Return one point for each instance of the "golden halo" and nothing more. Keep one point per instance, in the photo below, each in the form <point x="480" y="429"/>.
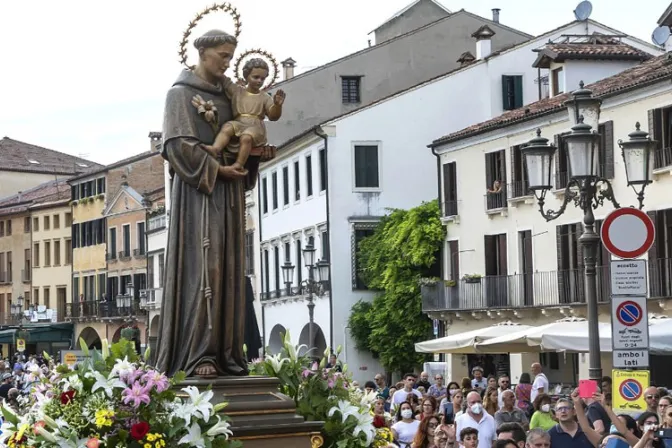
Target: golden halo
<point x="226" y="7"/>
<point x="237" y="67"/>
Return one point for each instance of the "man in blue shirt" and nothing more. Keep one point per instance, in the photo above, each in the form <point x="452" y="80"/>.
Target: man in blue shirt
<point x="567" y="433"/>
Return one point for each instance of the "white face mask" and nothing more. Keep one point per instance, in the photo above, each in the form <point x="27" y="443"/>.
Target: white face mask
<point x="406" y="413"/>
<point x="477" y="408"/>
<point x="546" y="408"/>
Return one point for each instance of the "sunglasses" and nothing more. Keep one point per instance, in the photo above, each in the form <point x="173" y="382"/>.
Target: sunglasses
<point x="652" y="397"/>
<point x="563" y="409"/>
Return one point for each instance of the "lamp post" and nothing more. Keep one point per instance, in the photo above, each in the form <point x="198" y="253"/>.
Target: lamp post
<point x="586" y="189"/>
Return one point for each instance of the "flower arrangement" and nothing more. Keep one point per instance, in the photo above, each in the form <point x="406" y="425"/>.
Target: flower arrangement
<point x="113" y="399"/>
<point x="323" y="394"/>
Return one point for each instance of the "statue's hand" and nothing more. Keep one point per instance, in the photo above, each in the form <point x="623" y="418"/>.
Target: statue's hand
<point x="279" y="97"/>
<point x="268" y="153"/>
<point x="230" y="173"/>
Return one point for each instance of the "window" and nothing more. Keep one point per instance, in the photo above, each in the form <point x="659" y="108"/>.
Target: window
<point x="249" y="253"/>
<point x="36" y="255"/>
<point x="299" y="263"/>
<point x="264" y="195"/>
<point x="68" y="252"/>
<point x="150" y="272"/>
<point x="2" y="228"/>
<point x="606" y="168"/>
<point x="323" y="169"/>
<point x="267" y="275"/>
<point x="309" y="176"/>
<point x="47" y="225"/>
<point x="450" y="189"/>
<point x="126" y="229"/>
<point x="276" y="262"/>
<point x="57" y="221"/>
<point x="75" y="289"/>
<point x="3" y="271"/>
<point x="100" y="185"/>
<point x="36" y="297"/>
<point x="142" y="241"/>
<point x="26" y="224"/>
<point x="68" y="219"/>
<point x="161" y="267"/>
<point x="325" y="245"/>
<point x="660" y="130"/>
<point x="9" y="227"/>
<point x="519" y="182"/>
<point x="9" y="266"/>
<point x="495" y="180"/>
<point x="26" y="265"/>
<point x="297" y="181"/>
<point x="274" y="187"/>
<point x="366" y="166"/>
<point x="512" y="92"/>
<point x="57" y="253"/>
<point x="558" y="79"/>
<point x="112" y="244"/>
<point x="102" y="285"/>
<point x="360" y="232"/>
<point x="47" y="253"/>
<point x="285" y="185"/>
<point x="350" y="89"/>
<point x="36" y="224"/>
<point x="45" y="297"/>
<point x="561" y="166"/>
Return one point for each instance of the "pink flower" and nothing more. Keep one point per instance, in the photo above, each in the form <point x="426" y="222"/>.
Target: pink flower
<point x="155" y="379"/>
<point x="137" y="394"/>
<point x="131" y="377"/>
<point x="315" y="367"/>
<point x="93" y="443"/>
<point x="331" y="384"/>
<point x="306" y="373"/>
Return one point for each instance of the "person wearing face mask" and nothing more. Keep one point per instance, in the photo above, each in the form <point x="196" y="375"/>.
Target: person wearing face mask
<point x="406" y="427"/>
<point x="476" y="418"/>
<point x="453" y="388"/>
<point x="542" y="417"/>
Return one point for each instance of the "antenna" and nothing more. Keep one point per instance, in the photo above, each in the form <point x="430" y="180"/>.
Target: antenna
<point x="583" y="10"/>
<point x="660" y="35"/>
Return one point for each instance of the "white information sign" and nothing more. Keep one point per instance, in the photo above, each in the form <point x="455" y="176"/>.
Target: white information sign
<point x="631" y="359"/>
<point x="629" y="323"/>
<point x="628" y="278"/>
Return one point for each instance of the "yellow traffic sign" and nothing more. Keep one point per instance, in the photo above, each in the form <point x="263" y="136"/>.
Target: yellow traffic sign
<point x="21" y="345"/>
<point x="628" y="392"/>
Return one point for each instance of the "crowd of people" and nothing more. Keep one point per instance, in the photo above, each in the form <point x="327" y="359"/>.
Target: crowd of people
<point x="482" y="412"/>
<point x="16" y="377"/>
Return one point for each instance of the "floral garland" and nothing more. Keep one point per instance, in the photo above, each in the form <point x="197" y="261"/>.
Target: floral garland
<point x="113" y="399"/>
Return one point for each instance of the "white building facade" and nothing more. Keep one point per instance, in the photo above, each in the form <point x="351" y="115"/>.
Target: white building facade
<point x="332" y="184"/>
<point x="528" y="270"/>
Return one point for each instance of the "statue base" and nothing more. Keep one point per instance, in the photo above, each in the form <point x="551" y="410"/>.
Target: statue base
<point x="261" y="417"/>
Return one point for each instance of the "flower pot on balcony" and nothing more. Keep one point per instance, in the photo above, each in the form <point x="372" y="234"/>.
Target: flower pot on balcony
<point x="472" y="279"/>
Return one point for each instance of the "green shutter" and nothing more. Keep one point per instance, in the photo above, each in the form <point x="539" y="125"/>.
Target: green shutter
<point x="518" y="91"/>
<point x="505" y="93"/>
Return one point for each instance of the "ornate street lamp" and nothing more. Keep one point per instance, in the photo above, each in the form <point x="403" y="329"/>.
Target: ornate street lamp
<point x="584" y="103"/>
<point x="288" y="275"/>
<point x="538" y="155"/>
<point x="583" y="151"/>
<point x="309" y="254"/>
<point x="311" y="286"/>
<point x="637" y="154"/>
<point x="323" y="271"/>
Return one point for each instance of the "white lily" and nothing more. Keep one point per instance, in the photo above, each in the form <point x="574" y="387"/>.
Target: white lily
<point x="194" y="437"/>
<point x="105" y="349"/>
<point x="276" y="362"/>
<point x="221" y="427"/>
<point x="368" y="398"/>
<point x="345" y="408"/>
<point x="365" y="425"/>
<point x="46" y="434"/>
<point x="123" y="368"/>
<point x="183" y="411"/>
<point x="72" y="383"/>
<point x="200" y="401"/>
<point x="107" y="384"/>
<point x="293" y="351"/>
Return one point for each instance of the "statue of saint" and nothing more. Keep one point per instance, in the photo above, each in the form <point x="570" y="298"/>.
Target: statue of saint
<point x="203" y="314"/>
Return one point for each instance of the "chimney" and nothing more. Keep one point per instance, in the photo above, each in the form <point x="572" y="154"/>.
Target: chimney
<point x="155" y="142"/>
<point x="466" y="58"/>
<point x="495" y="15"/>
<point x="483" y="37"/>
<point x="288" y="68"/>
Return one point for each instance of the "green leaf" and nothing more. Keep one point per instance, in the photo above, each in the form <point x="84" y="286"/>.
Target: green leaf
<point x="10" y="416"/>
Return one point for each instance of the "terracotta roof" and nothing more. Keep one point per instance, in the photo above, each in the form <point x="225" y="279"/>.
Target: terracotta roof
<point x="52" y="191"/>
<point x="649" y="72"/>
<point x="123" y="162"/>
<point x="613" y="50"/>
<point x="27" y="158"/>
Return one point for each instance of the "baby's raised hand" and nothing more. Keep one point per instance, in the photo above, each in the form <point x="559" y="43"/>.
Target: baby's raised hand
<point x="279" y="97"/>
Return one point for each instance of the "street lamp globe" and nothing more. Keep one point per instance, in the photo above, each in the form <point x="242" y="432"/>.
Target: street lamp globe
<point x="323" y="271"/>
<point x="309" y="255"/>
<point x="583" y="151"/>
<point x="637" y="154"/>
<point x="287" y="272"/>
<point x="584" y="103"/>
<point x="538" y="156"/>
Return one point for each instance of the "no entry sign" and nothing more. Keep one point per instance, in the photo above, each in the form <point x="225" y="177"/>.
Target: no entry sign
<point x="628" y="233"/>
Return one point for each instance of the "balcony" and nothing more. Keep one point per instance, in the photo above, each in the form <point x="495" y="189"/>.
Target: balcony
<point x="110" y="256"/>
<point x="121" y="308"/>
<point x="495" y="202"/>
<point x="662" y="158"/>
<point x="124" y="255"/>
<point x="534" y="290"/>
<point x="449" y="209"/>
<point x="156" y="223"/>
<point x="150" y="299"/>
<point x="26" y="275"/>
<point x="519" y="190"/>
<point x="138" y="253"/>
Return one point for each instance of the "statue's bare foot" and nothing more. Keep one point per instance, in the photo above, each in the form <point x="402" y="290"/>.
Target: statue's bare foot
<point x="206" y="370"/>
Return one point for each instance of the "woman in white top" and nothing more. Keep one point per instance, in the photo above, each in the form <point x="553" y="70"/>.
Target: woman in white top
<point x="406" y="427"/>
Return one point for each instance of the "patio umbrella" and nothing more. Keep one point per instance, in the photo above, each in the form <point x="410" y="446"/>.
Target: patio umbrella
<point x="566" y="335"/>
<point x="660" y="336"/>
<point x="465" y="342"/>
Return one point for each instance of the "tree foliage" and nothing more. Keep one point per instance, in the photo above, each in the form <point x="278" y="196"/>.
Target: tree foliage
<point x="404" y="248"/>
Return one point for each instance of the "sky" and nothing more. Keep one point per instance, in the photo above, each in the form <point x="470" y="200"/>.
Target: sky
<point x="89" y="78"/>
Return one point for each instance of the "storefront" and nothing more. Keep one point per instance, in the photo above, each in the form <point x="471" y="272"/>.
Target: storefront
<point x="37" y="338"/>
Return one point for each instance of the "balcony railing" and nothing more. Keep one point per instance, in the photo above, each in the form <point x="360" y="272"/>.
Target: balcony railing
<point x="519" y="189"/>
<point x="538" y="289"/>
<point x="139" y="252"/>
<point x="104" y="310"/>
<point x="25" y="275"/>
<point x="662" y="158"/>
<point x="110" y="256"/>
<point x="156" y="222"/>
<point x="449" y="208"/>
<point x="125" y="254"/>
<point x="151" y="299"/>
<point x="496" y="201"/>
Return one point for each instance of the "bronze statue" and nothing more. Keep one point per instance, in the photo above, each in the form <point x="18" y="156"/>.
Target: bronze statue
<point x="203" y="311"/>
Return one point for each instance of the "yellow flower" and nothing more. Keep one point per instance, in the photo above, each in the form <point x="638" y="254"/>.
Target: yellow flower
<point x="163" y="442"/>
<point x="104" y="418"/>
<point x="147" y="445"/>
<point x="151" y="437"/>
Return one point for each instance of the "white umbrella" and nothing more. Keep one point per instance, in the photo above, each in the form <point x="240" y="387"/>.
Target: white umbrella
<point x="567" y="335"/>
<point x="660" y="336"/>
<point x="465" y="342"/>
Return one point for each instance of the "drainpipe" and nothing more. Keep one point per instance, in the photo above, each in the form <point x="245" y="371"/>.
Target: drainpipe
<point x="438" y="183"/>
<point x="320" y="133"/>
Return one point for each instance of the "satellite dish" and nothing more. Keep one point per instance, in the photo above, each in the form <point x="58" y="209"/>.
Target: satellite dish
<point x="583" y="10"/>
<point x="660" y="35"/>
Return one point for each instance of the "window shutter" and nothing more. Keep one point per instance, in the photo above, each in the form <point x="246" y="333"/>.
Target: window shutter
<point x="608" y="150"/>
<point x="502" y="168"/>
<point x="655" y="118"/>
<point x="372" y="167"/>
<point x="503" y="258"/>
<point x="488" y="171"/>
<point x="506" y="103"/>
<point x="556" y="160"/>
<point x="512" y="153"/>
<point x="654" y="271"/>
<point x="561" y="272"/>
<point x="490" y="252"/>
<point x="446" y="187"/>
<point x="518" y="91"/>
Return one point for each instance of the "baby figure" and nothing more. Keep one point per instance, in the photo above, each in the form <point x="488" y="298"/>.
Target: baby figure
<point x="250" y="106"/>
